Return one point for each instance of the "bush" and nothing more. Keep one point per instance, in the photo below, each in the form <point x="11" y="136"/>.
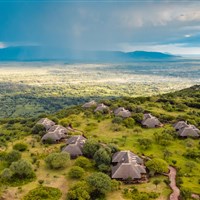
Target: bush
<point x="57" y="160"/>
<point x="79" y="191"/>
<point x="99" y="183"/>
<point x="129" y="122"/>
<point x="43" y="192"/>
<point x="117" y="120"/>
<point x="13" y="156"/>
<point x="157" y="165"/>
<point x="83" y="162"/>
<point x="39" y="129"/>
<point x="20" y="147"/>
<point x="90" y="147"/>
<point x="76" y="172"/>
<point x="22" y="169"/>
<point x="102" y="157"/>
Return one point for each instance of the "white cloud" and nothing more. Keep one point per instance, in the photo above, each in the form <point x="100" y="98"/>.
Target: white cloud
<point x="187" y="35"/>
<point x="2" y="45"/>
<point x="178" y="49"/>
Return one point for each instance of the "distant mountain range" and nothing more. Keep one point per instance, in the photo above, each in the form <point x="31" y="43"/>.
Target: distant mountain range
<point x="35" y="53"/>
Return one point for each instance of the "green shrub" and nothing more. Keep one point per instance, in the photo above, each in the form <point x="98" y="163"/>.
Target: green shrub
<point x="57" y="160"/>
<point x="76" y="172"/>
<point x="43" y="192"/>
<point x="13" y="156"/>
<point x="83" y="162"/>
<point x="20" y="147"/>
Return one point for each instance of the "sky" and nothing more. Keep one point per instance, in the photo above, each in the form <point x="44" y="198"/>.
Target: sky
<point x="150" y="25"/>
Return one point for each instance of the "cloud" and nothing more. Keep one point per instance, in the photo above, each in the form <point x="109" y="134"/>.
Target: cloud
<point x="3" y="45"/>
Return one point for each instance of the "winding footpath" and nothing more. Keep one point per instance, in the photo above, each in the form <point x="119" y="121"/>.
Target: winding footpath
<point x="172" y="177"/>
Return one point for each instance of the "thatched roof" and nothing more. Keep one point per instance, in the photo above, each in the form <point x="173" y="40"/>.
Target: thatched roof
<point x="122" y="112"/>
<point x="128" y="170"/>
<point x="58" y="129"/>
<point x="52" y="136"/>
<point x="79" y="139"/>
<point x="47" y="123"/>
<point x="101" y="107"/>
<point x="73" y="149"/>
<point x="89" y="104"/>
<point x="150" y="121"/>
<point x="189" y="131"/>
<point x="126" y="157"/>
<point x="129" y="165"/>
<point x="75" y="145"/>
<point x="55" y="133"/>
<point x="179" y="125"/>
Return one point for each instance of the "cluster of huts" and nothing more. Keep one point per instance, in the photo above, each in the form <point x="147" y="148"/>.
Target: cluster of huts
<point x="125" y="166"/>
<point x="54" y="133"/>
<point x="186" y="130"/>
<point x="149" y="121"/>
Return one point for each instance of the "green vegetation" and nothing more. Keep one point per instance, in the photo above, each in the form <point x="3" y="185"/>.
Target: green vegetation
<point x="57" y="160"/>
<point x="39" y="193"/>
<point x="157" y="165"/>
<point x="106" y="134"/>
<point x="76" y="172"/>
<point x="27" y="89"/>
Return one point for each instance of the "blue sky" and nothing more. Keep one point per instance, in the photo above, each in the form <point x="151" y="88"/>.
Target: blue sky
<point x="152" y="25"/>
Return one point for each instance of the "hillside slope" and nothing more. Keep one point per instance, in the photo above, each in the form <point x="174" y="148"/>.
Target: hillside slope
<point x="127" y="134"/>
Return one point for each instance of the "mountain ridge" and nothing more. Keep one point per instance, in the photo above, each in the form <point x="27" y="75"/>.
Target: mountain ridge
<point x="36" y="53"/>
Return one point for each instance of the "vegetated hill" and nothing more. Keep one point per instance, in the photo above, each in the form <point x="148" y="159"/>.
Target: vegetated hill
<point x="127" y="134"/>
<point x="37" y="53"/>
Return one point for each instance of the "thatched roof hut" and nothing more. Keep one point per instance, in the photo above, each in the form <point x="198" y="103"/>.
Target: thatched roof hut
<point x="150" y="121"/>
<point x="179" y="125"/>
<point x="122" y="112"/>
<point x="189" y="131"/>
<point x="47" y="123"/>
<point x="75" y="145"/>
<point x="89" y="104"/>
<point x="127" y="165"/>
<point x="101" y="107"/>
<point x="55" y="133"/>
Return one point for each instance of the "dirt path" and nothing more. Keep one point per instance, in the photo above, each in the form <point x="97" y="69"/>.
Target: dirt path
<point x="172" y="177"/>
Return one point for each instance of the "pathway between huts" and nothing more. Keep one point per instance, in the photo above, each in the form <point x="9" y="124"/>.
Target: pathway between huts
<point x="175" y="190"/>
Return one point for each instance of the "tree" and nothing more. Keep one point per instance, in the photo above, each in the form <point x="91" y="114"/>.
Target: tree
<point x="117" y="120"/>
<point x="6" y="174"/>
<point x="156" y="182"/>
<point x="157" y="165"/>
<point x="76" y="172"/>
<point x="39" y="129"/>
<point x="102" y="157"/>
<point x="90" y="147"/>
<point x="13" y="156"/>
<point x="80" y="191"/>
<point x="83" y="162"/>
<point x="57" y="160"/>
<point x="20" y="147"/>
<point x="129" y="122"/>
<point x="99" y="183"/>
<point x="22" y="169"/>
